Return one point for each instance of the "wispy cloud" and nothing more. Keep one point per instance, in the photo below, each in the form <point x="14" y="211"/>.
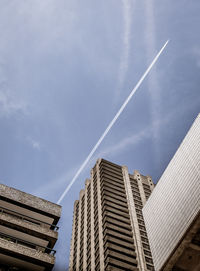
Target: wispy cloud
<point x="145" y="133"/>
<point x="124" y="143"/>
<point x="9" y="105"/>
<point x="35" y="144"/>
<point x="153" y="82"/>
<point x="134" y="139"/>
<point x="196" y="52"/>
<point x="9" y="102"/>
<point x="51" y="187"/>
<point x="124" y="62"/>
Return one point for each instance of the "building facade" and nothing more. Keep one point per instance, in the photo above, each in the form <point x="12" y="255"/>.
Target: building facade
<point x="108" y="226"/>
<point x="172" y="214"/>
<point x="28" y="231"/>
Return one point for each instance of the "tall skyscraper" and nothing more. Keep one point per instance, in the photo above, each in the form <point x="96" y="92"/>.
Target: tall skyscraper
<point x="28" y="231"/>
<point x="108" y="227"/>
<point x="172" y="214"/>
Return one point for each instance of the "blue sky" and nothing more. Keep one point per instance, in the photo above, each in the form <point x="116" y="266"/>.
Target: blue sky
<point x="65" y="69"/>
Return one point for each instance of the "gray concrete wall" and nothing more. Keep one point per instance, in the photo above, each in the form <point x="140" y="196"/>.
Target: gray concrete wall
<point x="30" y="200"/>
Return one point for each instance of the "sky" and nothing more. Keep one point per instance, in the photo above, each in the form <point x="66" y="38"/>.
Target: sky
<point x="67" y="66"/>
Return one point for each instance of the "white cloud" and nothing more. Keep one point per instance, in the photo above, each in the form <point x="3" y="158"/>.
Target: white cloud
<point x="51" y="187"/>
<point x="153" y="82"/>
<point x="147" y="132"/>
<point x="35" y="144"/>
<point x="124" y="143"/>
<point x="10" y="103"/>
<point x="134" y="139"/>
<point x="127" y="14"/>
<point x="126" y="40"/>
<point x="196" y="52"/>
<point x="47" y="22"/>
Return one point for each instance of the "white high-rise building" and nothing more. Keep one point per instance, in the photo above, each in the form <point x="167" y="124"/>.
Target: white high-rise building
<point x="172" y="213"/>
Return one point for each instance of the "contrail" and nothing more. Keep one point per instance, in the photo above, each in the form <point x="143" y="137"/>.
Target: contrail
<point x="112" y="123"/>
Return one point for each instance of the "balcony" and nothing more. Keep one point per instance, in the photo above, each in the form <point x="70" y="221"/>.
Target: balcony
<point x="28" y="225"/>
<point x="20" y="253"/>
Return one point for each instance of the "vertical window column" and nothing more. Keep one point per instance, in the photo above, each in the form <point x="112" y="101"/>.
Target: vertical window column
<point x="75" y="237"/>
<point x="130" y="185"/>
<point x="87" y="265"/>
<point x="100" y="266"/>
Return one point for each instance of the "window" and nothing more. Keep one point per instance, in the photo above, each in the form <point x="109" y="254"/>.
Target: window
<point x="148" y="260"/>
<point x="149" y="267"/>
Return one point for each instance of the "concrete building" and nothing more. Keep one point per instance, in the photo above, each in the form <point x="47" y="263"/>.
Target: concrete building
<point x="108" y="227"/>
<point x="172" y="213"/>
<point x="28" y="231"/>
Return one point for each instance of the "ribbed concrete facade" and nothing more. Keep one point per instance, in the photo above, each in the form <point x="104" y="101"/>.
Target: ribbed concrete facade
<point x="108" y="226"/>
<point x="28" y="231"/>
<point x="172" y="214"/>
